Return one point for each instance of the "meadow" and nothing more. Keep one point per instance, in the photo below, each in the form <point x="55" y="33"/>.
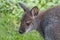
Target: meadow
<point x="11" y="15"/>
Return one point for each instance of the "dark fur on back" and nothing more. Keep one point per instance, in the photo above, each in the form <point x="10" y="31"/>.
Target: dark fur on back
<point x="50" y="23"/>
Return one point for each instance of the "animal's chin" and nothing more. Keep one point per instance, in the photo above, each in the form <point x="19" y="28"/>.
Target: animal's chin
<point x="26" y="32"/>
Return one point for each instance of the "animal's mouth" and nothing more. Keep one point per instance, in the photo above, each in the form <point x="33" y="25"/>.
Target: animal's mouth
<point x="21" y="31"/>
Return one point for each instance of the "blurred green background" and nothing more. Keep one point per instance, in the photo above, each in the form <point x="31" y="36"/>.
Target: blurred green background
<point x="11" y="15"/>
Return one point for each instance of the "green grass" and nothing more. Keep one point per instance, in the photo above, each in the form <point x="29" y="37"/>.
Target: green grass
<point x="11" y="33"/>
<point x="11" y="14"/>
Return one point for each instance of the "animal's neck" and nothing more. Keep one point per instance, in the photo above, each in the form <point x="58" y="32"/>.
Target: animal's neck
<point x="40" y="28"/>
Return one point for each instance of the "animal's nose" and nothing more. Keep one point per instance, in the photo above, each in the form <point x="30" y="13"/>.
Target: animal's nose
<point x="21" y="31"/>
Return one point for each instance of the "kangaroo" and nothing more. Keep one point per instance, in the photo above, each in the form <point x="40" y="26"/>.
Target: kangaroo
<point x="47" y="23"/>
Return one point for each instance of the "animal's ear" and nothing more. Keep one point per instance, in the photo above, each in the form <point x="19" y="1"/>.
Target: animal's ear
<point x="24" y="7"/>
<point x="34" y="11"/>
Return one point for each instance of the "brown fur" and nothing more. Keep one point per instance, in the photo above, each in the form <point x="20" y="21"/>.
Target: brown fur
<point x="47" y="22"/>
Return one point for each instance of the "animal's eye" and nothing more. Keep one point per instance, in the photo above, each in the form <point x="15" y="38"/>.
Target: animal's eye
<point x="28" y="23"/>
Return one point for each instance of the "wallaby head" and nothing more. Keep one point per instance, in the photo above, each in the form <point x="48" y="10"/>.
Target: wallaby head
<point x="28" y="22"/>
